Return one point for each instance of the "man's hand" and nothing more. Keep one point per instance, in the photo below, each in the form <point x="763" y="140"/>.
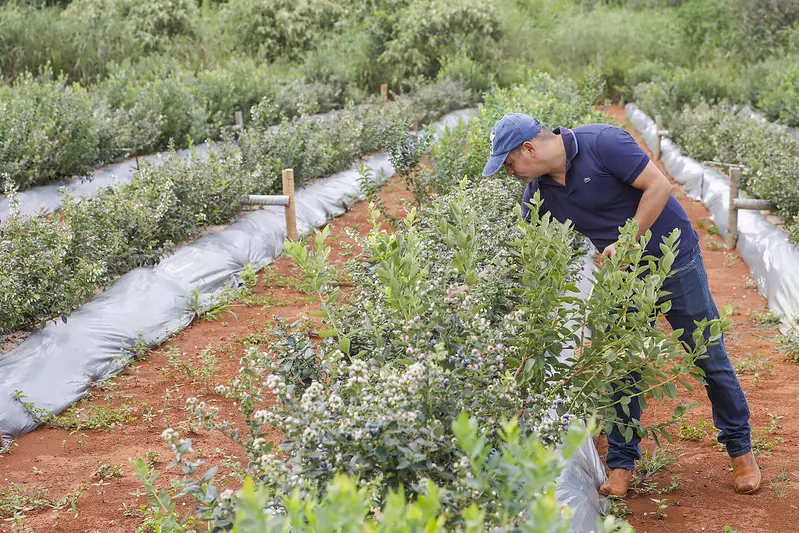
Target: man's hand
<point x="609" y="251"/>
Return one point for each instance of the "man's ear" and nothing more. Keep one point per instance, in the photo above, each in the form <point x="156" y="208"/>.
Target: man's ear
<point x="530" y="147"/>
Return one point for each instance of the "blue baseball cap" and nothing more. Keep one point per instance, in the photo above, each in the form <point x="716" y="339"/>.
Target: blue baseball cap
<point x="507" y="134"/>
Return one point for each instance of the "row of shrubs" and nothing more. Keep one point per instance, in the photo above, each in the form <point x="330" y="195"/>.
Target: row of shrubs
<point x="50" y="265"/>
<point x="51" y="128"/>
<point x="769" y="154"/>
<point x="697" y="109"/>
<point x="462" y="318"/>
<point x="771" y="87"/>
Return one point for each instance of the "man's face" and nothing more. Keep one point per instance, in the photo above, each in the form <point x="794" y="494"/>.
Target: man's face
<point x="524" y="163"/>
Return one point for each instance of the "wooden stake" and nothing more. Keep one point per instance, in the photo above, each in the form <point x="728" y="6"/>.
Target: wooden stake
<point x="239" y="121"/>
<point x="291" y="215"/>
<point x="384" y="91"/>
<point x="732" y="221"/>
<point x="658" y="128"/>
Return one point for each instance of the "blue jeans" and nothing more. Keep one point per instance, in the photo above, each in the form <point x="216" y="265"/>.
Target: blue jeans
<point x="691" y="301"/>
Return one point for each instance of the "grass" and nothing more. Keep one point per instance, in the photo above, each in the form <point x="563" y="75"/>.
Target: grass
<point x="648" y="468"/>
<point x="781" y="483"/>
<point x="271" y="278"/>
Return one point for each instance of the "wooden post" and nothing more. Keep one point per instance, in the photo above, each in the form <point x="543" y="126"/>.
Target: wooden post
<point x="384" y="91"/>
<point x="291" y="216"/>
<point x="415" y="125"/>
<point x="239" y="121"/>
<point x="658" y="128"/>
<point x="732" y="221"/>
<point x="621" y="100"/>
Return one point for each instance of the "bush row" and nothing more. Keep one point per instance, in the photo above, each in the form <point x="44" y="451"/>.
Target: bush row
<point x="51" y="128"/>
<point x="769" y="155"/>
<point x="50" y="265"/>
<point x="464" y="309"/>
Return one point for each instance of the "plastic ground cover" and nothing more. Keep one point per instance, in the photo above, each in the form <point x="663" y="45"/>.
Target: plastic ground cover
<point x="772" y="259"/>
<point x="54" y="367"/>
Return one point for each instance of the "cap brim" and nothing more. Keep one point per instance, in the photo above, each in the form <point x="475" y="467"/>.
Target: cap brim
<point x="494" y="164"/>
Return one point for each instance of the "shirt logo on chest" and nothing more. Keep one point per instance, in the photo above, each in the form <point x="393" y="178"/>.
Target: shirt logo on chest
<point x="586" y="180"/>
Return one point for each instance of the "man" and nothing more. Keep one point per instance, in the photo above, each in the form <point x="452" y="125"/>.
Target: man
<point x="598" y="177"/>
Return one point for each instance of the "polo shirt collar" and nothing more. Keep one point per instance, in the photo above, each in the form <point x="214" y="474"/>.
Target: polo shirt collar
<point x="571" y="147"/>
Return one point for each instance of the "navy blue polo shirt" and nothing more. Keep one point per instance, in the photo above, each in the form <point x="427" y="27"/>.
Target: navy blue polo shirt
<point x="602" y="161"/>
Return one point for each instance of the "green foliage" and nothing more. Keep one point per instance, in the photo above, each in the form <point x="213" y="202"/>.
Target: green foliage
<point x="428" y="31"/>
<point x="405" y="149"/>
<point x="769" y="155"/>
<point x="277" y="28"/>
<point x="47" y="129"/>
<point x="48" y="267"/>
<point x="40" y="278"/>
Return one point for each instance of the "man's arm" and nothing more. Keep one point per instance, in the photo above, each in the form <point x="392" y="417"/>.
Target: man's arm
<point x="657" y="190"/>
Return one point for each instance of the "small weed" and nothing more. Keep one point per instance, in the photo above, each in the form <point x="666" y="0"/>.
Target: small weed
<point x="750" y="283"/>
<point x="695" y="432"/>
<point x="649" y="466"/>
<point x="728" y="529"/>
<point x="712" y="228"/>
<point x="618" y="508"/>
<point x="763" y="318"/>
<point x="105" y="471"/>
<point x="16" y="500"/>
<point x="701" y="223"/>
<point x="752" y="364"/>
<point x="715" y="245"/>
<point x="151" y="456"/>
<point x="780" y="484"/>
<point x="93" y="417"/>
<point x="662" y="504"/>
<point x="764" y="439"/>
<point x="730" y="260"/>
<point x="789" y="344"/>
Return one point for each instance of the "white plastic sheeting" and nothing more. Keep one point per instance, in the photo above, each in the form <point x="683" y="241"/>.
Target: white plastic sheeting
<point x="772" y="259"/>
<point x="55" y="366"/>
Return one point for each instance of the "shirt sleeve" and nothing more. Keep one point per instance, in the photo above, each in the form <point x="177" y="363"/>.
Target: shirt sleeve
<point x="620" y="155"/>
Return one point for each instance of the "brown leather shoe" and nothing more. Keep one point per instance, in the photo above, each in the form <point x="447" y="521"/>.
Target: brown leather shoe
<point x="618" y="482"/>
<point x="745" y="474"/>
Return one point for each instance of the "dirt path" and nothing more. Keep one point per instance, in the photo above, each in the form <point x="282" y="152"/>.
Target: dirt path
<point x="85" y="473"/>
<point x="704" y="499"/>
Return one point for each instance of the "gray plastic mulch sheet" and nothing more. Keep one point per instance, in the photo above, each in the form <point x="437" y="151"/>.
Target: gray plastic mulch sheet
<point x="47" y="197"/>
<point x="54" y="367"/>
<point x="772" y="259"/>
